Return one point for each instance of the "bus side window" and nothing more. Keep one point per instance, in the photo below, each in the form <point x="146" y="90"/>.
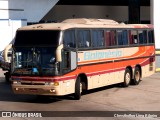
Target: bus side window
<point x="125" y="37"/>
<point x="83" y="38"/>
<point x="134" y="37"/>
<point x="151" y="36"/>
<point x="66" y="62"/>
<point x="122" y="37"/>
<point x="145" y="36"/>
<point x="113" y="38"/>
<point x="140" y="34"/>
<point x="69" y="39"/>
<point x="119" y="34"/>
<point x="130" y="37"/>
<point x="108" y="38"/>
<point x="98" y="38"/>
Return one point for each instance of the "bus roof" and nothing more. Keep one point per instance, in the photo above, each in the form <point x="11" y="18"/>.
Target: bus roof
<point x="83" y="23"/>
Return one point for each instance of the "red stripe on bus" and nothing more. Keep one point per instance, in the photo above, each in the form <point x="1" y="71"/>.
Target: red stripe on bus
<point x="49" y="79"/>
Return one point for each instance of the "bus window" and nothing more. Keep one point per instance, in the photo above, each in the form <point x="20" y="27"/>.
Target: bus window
<point x="130" y="37"/>
<point x="83" y="38"/>
<point x="111" y="38"/>
<point x="69" y="39"/>
<point x="140" y="34"/>
<point x="120" y="40"/>
<point x="145" y="36"/>
<point x="66" y="62"/>
<point x="142" y="37"/>
<point x="151" y="36"/>
<point x="133" y="37"/>
<point x="125" y="37"/>
<point x="122" y="37"/>
<point x="98" y="38"/>
<point x="108" y="36"/>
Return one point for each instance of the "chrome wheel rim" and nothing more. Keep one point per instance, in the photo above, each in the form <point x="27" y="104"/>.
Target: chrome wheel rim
<point x="137" y="76"/>
<point x="80" y="87"/>
<point x="128" y="78"/>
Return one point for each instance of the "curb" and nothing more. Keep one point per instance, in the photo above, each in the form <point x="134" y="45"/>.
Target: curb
<point x="158" y="70"/>
<point x="157" y="52"/>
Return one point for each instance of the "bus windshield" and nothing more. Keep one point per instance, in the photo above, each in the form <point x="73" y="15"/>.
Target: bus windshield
<point x="34" y="53"/>
<point x="34" y="61"/>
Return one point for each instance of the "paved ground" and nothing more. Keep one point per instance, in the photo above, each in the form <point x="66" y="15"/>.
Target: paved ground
<point x="144" y="97"/>
<point x="158" y="62"/>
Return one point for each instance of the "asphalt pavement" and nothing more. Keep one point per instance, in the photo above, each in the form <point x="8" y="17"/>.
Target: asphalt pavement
<point x="94" y="105"/>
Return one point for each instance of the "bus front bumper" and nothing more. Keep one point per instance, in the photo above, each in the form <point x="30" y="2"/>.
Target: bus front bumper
<point x="36" y="89"/>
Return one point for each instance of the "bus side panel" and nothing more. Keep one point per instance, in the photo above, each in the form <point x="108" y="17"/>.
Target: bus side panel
<point x="109" y="71"/>
<point x="150" y="66"/>
<point x="67" y="87"/>
<point x="102" y="71"/>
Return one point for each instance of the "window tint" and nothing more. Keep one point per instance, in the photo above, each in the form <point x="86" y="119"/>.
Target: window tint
<point x="122" y="37"/>
<point x="145" y="36"/>
<point x="111" y="38"/>
<point x="98" y="38"/>
<point x="151" y="36"/>
<point x="142" y="36"/>
<point x="125" y="37"/>
<point x="119" y="35"/>
<point x="37" y="37"/>
<point x="83" y="38"/>
<point x="133" y="37"/>
<point x="69" y="39"/>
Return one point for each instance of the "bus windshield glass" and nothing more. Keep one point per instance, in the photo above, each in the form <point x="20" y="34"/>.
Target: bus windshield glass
<point x="34" y="53"/>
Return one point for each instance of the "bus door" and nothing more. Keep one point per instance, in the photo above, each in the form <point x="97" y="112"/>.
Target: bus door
<point x="69" y="60"/>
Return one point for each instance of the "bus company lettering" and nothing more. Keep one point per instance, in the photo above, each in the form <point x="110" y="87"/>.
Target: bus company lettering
<point x="102" y="54"/>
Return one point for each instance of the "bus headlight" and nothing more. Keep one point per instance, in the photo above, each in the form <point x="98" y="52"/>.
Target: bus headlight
<point x="52" y="83"/>
<point x="49" y="83"/>
<point x="16" y="82"/>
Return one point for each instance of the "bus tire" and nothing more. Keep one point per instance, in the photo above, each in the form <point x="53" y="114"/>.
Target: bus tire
<point x="78" y="89"/>
<point x="7" y="76"/>
<point x="127" y="78"/>
<point x="137" y="76"/>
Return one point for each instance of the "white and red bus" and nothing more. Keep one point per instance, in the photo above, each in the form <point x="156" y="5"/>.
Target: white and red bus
<point x="80" y="54"/>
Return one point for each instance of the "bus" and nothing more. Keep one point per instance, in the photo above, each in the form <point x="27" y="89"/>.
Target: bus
<point x="76" y="55"/>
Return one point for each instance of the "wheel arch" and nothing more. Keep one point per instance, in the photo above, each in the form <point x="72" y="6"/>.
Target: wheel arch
<point x="84" y="80"/>
<point x="140" y="68"/>
<point x="131" y="70"/>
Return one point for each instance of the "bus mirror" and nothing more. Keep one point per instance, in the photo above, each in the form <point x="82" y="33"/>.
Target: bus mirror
<point x="6" y="51"/>
<point x="59" y="53"/>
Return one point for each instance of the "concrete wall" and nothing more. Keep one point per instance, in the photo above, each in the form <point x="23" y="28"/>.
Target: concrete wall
<point x="7" y="31"/>
<point x="61" y="12"/>
<point x="32" y="10"/>
<point x="16" y="13"/>
<point x="145" y="13"/>
<point x="155" y="18"/>
<point x="118" y="13"/>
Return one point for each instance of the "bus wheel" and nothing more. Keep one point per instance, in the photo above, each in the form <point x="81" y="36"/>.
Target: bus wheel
<point x="7" y="76"/>
<point x="127" y="78"/>
<point x="78" y="89"/>
<point x="137" y="76"/>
